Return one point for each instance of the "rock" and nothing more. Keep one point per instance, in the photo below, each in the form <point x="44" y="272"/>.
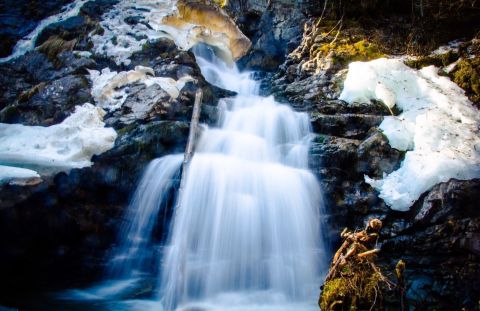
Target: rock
<point x="345" y="125"/>
<point x="284" y="20"/>
<point x="214" y="21"/>
<point x="449" y="199"/>
<point x="50" y="104"/>
<point x="19" y="18"/>
<point x="376" y="157"/>
<point x="69" y="29"/>
<point x="95" y="9"/>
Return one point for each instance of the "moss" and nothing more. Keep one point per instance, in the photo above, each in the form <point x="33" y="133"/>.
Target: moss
<point x="467" y="76"/>
<point x="440" y="60"/>
<point x="127" y="129"/>
<point x="26" y="95"/>
<point x="345" y="52"/>
<point x="221" y="3"/>
<point x="357" y="288"/>
<point x="54" y="46"/>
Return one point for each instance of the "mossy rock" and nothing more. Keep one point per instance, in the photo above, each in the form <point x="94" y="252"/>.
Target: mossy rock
<point x="54" y="46"/>
<point x="346" y="52"/>
<point x="358" y="287"/>
<point x="440" y="60"/>
<point x="467" y="76"/>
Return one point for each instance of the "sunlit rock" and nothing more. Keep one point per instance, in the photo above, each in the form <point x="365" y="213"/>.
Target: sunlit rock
<point x="199" y="22"/>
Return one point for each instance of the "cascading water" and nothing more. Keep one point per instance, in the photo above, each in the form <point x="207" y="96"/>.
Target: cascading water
<point x="134" y="254"/>
<point x="246" y="232"/>
<point x="247" y="229"/>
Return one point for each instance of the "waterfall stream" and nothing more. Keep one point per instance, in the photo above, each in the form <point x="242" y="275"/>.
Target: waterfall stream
<point x="248" y="225"/>
<point x="246" y="231"/>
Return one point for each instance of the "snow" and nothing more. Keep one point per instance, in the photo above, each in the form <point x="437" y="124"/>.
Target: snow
<point x="110" y="88"/>
<point x="9" y="173"/>
<point x="31" y="151"/>
<point x="28" y="42"/>
<point x="121" y="39"/>
<point x="438" y="127"/>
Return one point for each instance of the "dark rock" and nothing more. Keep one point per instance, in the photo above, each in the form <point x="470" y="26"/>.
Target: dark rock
<point x="345" y="125"/>
<point x="376" y="157"/>
<point x="284" y="20"/>
<point x="69" y="29"/>
<point x="19" y="18"/>
<point x="95" y="9"/>
<point x="51" y="104"/>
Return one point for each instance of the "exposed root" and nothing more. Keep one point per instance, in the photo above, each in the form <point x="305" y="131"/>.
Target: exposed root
<point x="354" y="281"/>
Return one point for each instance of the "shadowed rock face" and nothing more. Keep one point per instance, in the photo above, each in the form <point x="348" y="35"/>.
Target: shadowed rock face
<point x="213" y="26"/>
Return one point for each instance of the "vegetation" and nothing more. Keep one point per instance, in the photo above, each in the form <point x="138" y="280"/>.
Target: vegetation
<point x="54" y="46"/>
<point x="467" y="76"/>
<point x="346" y="52"/>
<point x="439" y="60"/>
<point x="354" y="282"/>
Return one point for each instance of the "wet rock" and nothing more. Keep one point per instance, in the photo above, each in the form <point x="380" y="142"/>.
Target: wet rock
<point x="345" y="125"/>
<point x="69" y="29"/>
<point x="19" y="18"/>
<point x="376" y="157"/>
<point x="50" y="104"/>
<point x="284" y="21"/>
<point x="95" y="9"/>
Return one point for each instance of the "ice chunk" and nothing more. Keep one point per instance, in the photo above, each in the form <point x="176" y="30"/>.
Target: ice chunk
<point x="183" y="23"/>
<point x="27" y="151"/>
<point x="109" y="87"/>
<point x="438" y="126"/>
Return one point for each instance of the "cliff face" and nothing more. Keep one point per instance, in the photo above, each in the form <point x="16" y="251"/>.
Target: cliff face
<point x="56" y="230"/>
<point x="437" y="235"/>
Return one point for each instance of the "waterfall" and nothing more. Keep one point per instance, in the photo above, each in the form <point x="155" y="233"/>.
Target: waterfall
<point x="247" y="230"/>
<point x="135" y="251"/>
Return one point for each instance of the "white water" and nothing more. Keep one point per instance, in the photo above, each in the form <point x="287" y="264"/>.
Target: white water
<point x="246" y="234"/>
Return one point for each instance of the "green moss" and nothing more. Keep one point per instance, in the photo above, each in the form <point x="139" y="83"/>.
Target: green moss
<point x="440" y="60"/>
<point x="26" y="95"/>
<point x="467" y="76"/>
<point x="54" y="46"/>
<point x="357" y="288"/>
<point x="221" y="3"/>
<point x="345" y="52"/>
<point x="127" y="129"/>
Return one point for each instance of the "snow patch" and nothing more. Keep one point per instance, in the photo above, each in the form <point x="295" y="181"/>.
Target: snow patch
<point x="27" y="43"/>
<point x="110" y="88"/>
<point x="438" y="126"/>
<point x="31" y="151"/>
<point x="129" y="27"/>
<point x="121" y="39"/>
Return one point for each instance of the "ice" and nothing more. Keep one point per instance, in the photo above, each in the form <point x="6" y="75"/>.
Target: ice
<point x="161" y="19"/>
<point x="30" y="151"/>
<point x="9" y="173"/>
<point x="110" y="87"/>
<point x="28" y="42"/>
<point x="438" y="126"/>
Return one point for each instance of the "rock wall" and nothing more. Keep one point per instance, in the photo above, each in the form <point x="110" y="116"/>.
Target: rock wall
<point x="438" y="237"/>
<point x="55" y="234"/>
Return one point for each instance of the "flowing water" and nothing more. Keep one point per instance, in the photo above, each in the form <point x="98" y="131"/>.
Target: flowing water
<point x="246" y="229"/>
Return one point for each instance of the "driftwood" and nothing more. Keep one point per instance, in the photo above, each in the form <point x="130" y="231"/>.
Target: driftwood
<point x="354" y="281"/>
